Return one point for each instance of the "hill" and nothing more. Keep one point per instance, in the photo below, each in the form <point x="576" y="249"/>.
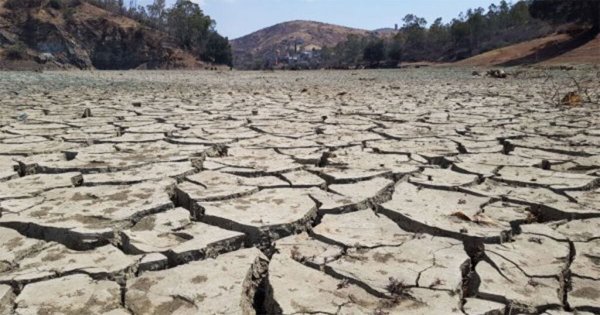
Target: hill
<point x="510" y="54"/>
<point x="288" y="38"/>
<point x="588" y="53"/>
<point x="558" y="48"/>
<point x="76" y="34"/>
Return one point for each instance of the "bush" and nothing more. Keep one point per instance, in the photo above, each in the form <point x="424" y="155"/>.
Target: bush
<point x="55" y="4"/>
<point x="18" y="4"/>
<point x="17" y="51"/>
<point x="68" y="14"/>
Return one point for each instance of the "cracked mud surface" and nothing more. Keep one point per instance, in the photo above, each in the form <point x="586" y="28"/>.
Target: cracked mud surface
<point x="372" y="192"/>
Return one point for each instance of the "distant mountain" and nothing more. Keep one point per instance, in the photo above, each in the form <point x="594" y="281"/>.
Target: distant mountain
<point x="388" y="31"/>
<point x="289" y="37"/>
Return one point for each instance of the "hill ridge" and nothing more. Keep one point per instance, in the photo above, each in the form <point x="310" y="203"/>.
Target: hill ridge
<point x="286" y="37"/>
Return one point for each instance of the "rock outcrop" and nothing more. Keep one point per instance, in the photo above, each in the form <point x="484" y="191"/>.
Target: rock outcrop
<point x="38" y="35"/>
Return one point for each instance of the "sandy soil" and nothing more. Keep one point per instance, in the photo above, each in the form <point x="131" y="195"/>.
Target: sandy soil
<point x="550" y="50"/>
<point x="588" y="53"/>
<point x="423" y="191"/>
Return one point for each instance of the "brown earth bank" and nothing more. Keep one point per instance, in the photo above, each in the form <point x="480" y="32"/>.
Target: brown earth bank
<point x="37" y="35"/>
<point x="575" y="47"/>
<point x="586" y="53"/>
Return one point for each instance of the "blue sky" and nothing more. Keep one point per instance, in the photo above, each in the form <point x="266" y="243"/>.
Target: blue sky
<point x="236" y="18"/>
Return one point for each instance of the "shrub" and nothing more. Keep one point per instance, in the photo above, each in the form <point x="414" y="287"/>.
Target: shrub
<point x="17" y="4"/>
<point x="55" y="4"/>
<point x="17" y="51"/>
<point x="68" y="14"/>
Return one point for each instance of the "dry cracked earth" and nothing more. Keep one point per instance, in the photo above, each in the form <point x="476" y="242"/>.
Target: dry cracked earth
<point x="390" y="192"/>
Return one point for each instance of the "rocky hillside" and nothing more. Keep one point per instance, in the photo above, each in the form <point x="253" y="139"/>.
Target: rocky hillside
<point x="54" y="34"/>
<point x="288" y="38"/>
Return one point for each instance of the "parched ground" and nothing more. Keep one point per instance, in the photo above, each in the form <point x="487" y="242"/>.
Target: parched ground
<point x="425" y="191"/>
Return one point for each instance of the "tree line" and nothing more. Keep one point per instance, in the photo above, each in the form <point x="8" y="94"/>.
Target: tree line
<point x="184" y="21"/>
<point x="473" y="32"/>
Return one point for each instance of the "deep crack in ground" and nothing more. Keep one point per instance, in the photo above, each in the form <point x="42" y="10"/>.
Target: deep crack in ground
<point x="423" y="192"/>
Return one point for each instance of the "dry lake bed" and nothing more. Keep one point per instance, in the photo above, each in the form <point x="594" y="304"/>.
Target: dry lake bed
<point x="424" y="191"/>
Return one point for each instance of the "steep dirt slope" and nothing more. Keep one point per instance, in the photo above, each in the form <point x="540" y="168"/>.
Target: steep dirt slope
<point x="588" y="53"/>
<point x="559" y="48"/>
<point x="83" y="36"/>
<point x="513" y="52"/>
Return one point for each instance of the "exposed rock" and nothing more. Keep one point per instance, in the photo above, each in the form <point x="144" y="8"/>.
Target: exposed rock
<point x="497" y="74"/>
<point x="87" y="36"/>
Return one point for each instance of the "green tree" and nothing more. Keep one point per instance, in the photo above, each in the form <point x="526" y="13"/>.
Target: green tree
<point x="504" y="14"/>
<point x="519" y="13"/>
<point x="374" y="52"/>
<point x="394" y="51"/>
<point x="476" y="25"/>
<point x="350" y="51"/>
<point x="460" y="34"/>
<point x="438" y="39"/>
<point x="414" y="36"/>
<point x="156" y="13"/>
<point x="560" y="11"/>
<point x="218" y="49"/>
<point x="188" y="25"/>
